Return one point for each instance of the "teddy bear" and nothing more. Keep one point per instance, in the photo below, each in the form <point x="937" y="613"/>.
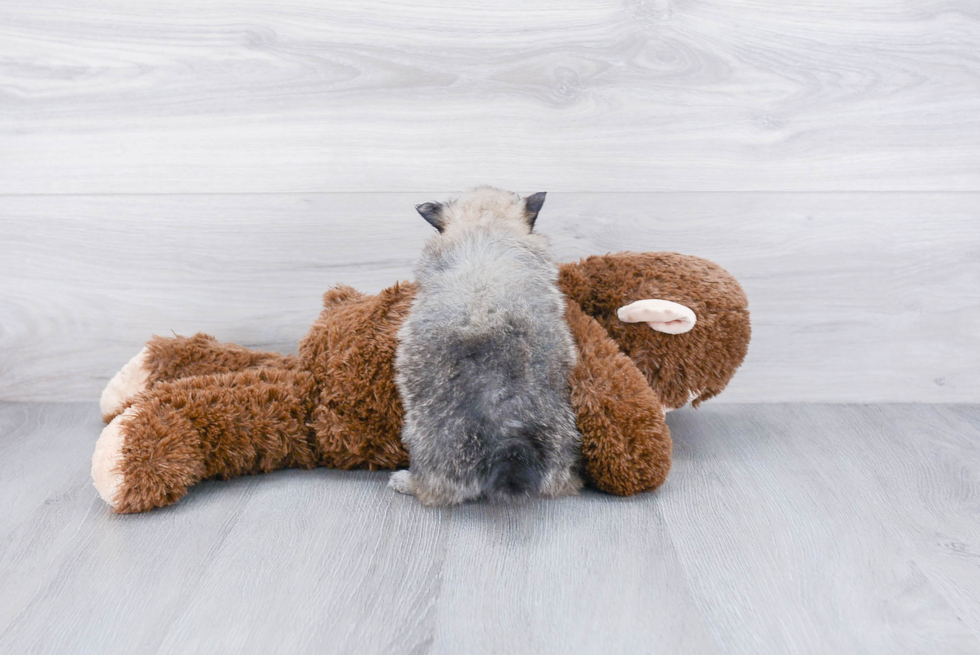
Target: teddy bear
<point x="653" y="332"/>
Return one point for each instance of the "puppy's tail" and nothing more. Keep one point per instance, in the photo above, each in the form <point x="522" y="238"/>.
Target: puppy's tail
<point x="515" y="470"/>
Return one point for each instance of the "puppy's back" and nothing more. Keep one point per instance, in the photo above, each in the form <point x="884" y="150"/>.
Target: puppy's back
<point x="483" y="366"/>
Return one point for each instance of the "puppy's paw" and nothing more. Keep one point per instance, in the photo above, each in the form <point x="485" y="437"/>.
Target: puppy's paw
<point x="131" y="380"/>
<point x="661" y="315"/>
<point x="401" y="481"/>
<point x="561" y="483"/>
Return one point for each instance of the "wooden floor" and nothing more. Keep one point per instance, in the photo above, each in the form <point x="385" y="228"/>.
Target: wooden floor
<point x="217" y="166"/>
<point x="782" y="529"/>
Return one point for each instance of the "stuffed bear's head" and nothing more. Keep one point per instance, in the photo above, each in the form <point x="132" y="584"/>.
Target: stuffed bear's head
<point x="664" y="309"/>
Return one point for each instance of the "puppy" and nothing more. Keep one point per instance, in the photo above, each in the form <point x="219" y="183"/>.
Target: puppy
<point x="484" y="358"/>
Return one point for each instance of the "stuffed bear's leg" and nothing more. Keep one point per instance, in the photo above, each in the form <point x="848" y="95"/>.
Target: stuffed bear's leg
<point x="626" y="444"/>
<point x="213" y="426"/>
<point x="173" y="358"/>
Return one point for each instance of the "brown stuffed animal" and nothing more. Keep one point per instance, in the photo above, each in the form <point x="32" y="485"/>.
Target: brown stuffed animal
<point x="653" y="330"/>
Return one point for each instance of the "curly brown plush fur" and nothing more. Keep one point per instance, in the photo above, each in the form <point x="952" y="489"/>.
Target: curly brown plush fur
<point x="214" y="410"/>
<point x="693" y="366"/>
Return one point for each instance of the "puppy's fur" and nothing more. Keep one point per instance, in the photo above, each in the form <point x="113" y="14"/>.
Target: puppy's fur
<point x="484" y="359"/>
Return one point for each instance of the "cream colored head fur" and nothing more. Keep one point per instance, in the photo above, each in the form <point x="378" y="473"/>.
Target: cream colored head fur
<point x="484" y="206"/>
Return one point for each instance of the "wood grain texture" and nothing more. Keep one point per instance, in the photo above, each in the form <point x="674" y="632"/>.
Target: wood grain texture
<point x="839" y="511"/>
<point x="854" y="297"/>
<point x="782" y="529"/>
<point x="105" y="96"/>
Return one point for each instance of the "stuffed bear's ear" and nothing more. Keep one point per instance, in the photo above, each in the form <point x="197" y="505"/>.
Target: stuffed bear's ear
<point x="432" y="212"/>
<point x="661" y="315"/>
<point x="532" y="205"/>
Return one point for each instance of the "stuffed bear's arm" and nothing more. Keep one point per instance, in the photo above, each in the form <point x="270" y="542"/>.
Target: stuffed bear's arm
<point x="172" y="358"/>
<point x="212" y="426"/>
<point x="626" y="444"/>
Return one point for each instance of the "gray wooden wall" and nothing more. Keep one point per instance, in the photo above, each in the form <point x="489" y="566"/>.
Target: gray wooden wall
<point x="215" y="166"/>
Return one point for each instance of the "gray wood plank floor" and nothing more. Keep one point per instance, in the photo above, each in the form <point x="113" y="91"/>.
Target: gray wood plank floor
<point x="782" y="529"/>
<point x="188" y="166"/>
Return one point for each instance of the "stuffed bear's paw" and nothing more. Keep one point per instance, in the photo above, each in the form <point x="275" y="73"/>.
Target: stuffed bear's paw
<point x="661" y="315"/>
<point x="107" y="459"/>
<point x="401" y="481"/>
<point x="125" y="385"/>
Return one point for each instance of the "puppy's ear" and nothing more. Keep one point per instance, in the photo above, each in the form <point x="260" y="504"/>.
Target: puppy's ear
<point x="532" y="205"/>
<point x="433" y="213"/>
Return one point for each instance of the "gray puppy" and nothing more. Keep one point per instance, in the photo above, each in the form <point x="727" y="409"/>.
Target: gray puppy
<point x="484" y="357"/>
